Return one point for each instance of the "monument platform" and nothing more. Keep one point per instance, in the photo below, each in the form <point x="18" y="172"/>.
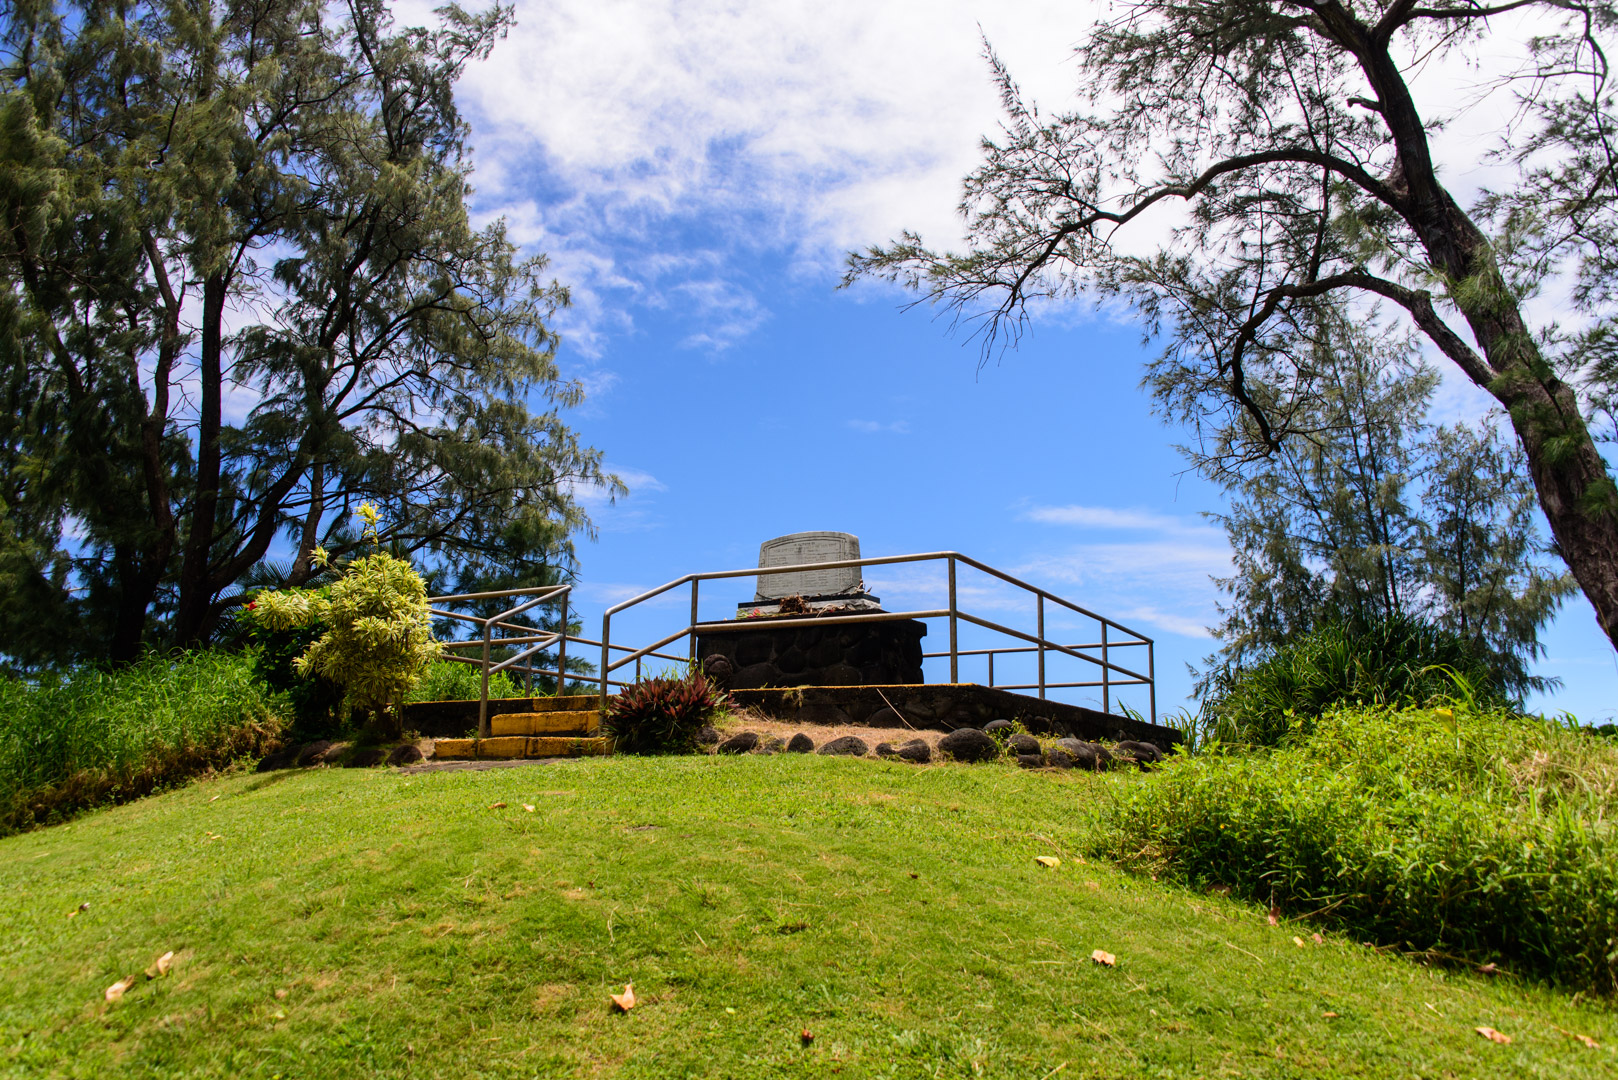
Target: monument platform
<point x="947" y="707"/>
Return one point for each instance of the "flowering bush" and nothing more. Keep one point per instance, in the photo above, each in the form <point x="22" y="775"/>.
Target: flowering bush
<point x="378" y="630"/>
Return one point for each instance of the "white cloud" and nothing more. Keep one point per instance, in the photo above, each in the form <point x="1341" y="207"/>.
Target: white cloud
<point x="876" y="427"/>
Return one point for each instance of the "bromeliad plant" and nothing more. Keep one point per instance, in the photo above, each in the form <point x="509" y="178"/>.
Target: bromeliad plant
<point x="663" y="714"/>
<point x="378" y="631"/>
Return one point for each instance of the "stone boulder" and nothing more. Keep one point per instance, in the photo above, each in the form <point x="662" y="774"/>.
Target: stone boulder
<point x="314" y="753"/>
<point x="404" y="755"/>
<point x="719" y="669"/>
<point x="284" y="758"/>
<point x="800" y="744"/>
<point x="969" y="744"/>
<point x="708" y="736"/>
<point x="1085" y="755"/>
<point x="770" y="744"/>
<point x="1031" y="761"/>
<point x="916" y="751"/>
<point x="368" y="758"/>
<point x="1058" y="758"/>
<point x="847" y="746"/>
<point x="1143" y="754"/>
<point x="886" y="749"/>
<point x="740" y="744"/>
<point x="997" y="725"/>
<point x="1020" y="744"/>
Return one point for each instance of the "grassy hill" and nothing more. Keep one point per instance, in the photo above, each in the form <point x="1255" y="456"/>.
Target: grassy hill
<point x="336" y="923"/>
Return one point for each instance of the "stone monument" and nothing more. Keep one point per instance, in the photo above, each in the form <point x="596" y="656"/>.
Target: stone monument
<point x="757" y="651"/>
<point x="839" y="587"/>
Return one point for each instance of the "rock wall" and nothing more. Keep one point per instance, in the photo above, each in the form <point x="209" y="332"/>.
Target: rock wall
<point x="846" y="654"/>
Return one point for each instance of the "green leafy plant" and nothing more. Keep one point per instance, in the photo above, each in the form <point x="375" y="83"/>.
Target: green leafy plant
<point x="1398" y="661"/>
<point x="664" y="713"/>
<point x="1460" y="831"/>
<point x="448" y="680"/>
<point x="316" y="701"/>
<point x="377" y="641"/>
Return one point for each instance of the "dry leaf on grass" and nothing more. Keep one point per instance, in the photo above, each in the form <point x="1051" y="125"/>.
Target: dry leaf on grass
<point x="1298" y="941"/>
<point x="1105" y="959"/>
<point x="1489" y="969"/>
<point x="1585" y="1039"/>
<point x="161" y="965"/>
<point x="1329" y="1015"/>
<point x="806" y="1037"/>
<point x="280" y="995"/>
<point x="1492" y="1035"/>
<point x="1318" y="940"/>
<point x="625" y="1001"/>
<point x="528" y="806"/>
<point x="82" y="907"/>
<point x="116" y="990"/>
<point x="497" y="806"/>
<point x="1275" y="915"/>
<point x="1047" y="860"/>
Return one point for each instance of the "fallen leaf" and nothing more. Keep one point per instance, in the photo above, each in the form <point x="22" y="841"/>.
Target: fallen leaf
<point x="1318" y="940"/>
<point x="1489" y="969"/>
<point x="625" y="1001"/>
<point x="1585" y="1039"/>
<point x="280" y="995"/>
<point x="1047" y="860"/>
<point x="1092" y="884"/>
<point x="278" y="1015"/>
<point x="806" y="1037"/>
<point x="82" y="907"/>
<point x="1275" y="915"/>
<point x="1218" y="890"/>
<point x="1492" y="1035"/>
<point x="1105" y="959"/>
<point x="214" y="799"/>
<point x="1329" y="1015"/>
<point x="1298" y="941"/>
<point x="528" y="806"/>
<point x="915" y="875"/>
<point x="116" y="990"/>
<point x="497" y="806"/>
<point x="161" y="965"/>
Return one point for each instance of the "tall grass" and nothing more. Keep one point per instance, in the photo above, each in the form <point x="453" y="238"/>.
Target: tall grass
<point x="96" y="736"/>
<point x="1399" y="661"/>
<point x="1469" y="832"/>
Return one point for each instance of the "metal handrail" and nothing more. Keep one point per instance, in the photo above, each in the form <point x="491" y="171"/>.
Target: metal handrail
<point x="536" y="642"/>
<point x="953" y="612"/>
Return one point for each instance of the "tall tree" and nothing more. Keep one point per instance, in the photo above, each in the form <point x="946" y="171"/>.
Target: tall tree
<point x="246" y="294"/>
<point x="1368" y="514"/>
<point x="1290" y="134"/>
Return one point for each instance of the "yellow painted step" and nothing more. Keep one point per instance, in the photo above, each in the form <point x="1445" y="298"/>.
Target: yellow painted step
<point x="573" y="722"/>
<point x="570" y="703"/>
<point x="520" y="746"/>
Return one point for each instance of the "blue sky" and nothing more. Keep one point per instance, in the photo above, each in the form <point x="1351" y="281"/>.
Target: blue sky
<point x="696" y="171"/>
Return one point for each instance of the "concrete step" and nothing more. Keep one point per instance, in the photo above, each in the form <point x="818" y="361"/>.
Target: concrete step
<point x="571" y="722"/>
<point x="519" y="746"/>
<point x="569" y="703"/>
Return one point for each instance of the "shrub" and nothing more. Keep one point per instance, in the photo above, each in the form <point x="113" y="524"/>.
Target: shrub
<point x="663" y="714"/>
<point x="378" y="639"/>
<point x="68" y="742"/>
<point x="448" y="680"/>
<point x="316" y="702"/>
<point x="1472" y="833"/>
<point x="1399" y="661"/>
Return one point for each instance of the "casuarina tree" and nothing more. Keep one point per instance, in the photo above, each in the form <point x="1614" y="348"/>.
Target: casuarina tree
<point x="244" y="295"/>
<point x="1301" y="148"/>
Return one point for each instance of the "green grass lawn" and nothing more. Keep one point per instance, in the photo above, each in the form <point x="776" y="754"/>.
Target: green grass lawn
<point x="340" y="923"/>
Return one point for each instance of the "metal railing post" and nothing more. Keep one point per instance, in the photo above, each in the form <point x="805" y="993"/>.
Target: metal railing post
<point x="1039" y="632"/>
<point x="694" y="620"/>
<point x="1151" y="675"/>
<point x="954" y="665"/>
<point x="561" y="652"/>
<point x="991" y="667"/>
<point x="1106" y="672"/>
<point x="606" y="655"/>
<point x="483" y="701"/>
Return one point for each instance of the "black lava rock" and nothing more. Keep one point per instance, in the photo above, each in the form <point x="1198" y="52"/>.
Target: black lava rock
<point x="368" y="758"/>
<point x="800" y="744"/>
<point x="1031" y="761"/>
<point x="886" y="749"/>
<point x="1058" y="758"/>
<point x="718" y="668"/>
<point x="770" y="744"/>
<point x="739" y="744"/>
<point x="969" y="744"/>
<point x="1143" y="754"/>
<point x="997" y="725"/>
<point x="847" y="746"/>
<point x="708" y="736"/>
<point x="1085" y="755"/>
<point x="313" y="753"/>
<point x="404" y="755"/>
<point x="1022" y="744"/>
<point x="916" y="751"/>
<point x="281" y="759"/>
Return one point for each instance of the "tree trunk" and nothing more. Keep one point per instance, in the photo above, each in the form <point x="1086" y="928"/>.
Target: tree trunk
<point x="192" y="615"/>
